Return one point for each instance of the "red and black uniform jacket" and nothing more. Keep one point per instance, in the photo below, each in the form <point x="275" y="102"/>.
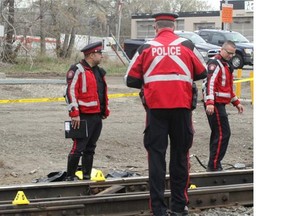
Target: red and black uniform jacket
<point x="218" y="86"/>
<point x="165" y="68"/>
<point x="82" y="90"/>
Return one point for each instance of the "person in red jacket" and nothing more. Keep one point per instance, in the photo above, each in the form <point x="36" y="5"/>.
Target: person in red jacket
<point x="217" y="92"/>
<point x="87" y="99"/>
<point x="165" y="68"/>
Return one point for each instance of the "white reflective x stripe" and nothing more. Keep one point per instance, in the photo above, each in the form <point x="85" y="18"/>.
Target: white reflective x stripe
<point x="223" y="73"/>
<point x="154" y="43"/>
<point x="223" y="94"/>
<point x="176" y="59"/>
<point x="177" y="41"/>
<point x="154" y="63"/>
<point x="89" y="104"/>
<point x="170" y="77"/>
<point x="181" y="64"/>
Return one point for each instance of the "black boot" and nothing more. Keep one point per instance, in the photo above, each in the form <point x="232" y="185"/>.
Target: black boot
<point x="87" y="163"/>
<point x="185" y="212"/>
<point x="72" y="165"/>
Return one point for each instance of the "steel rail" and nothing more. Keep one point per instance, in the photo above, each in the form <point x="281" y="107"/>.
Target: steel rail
<point x="133" y="203"/>
<point x="121" y="185"/>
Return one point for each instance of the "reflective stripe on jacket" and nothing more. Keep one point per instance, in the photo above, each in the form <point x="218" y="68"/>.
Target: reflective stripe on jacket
<point x="218" y="86"/>
<point x="81" y="94"/>
<point x="166" y="67"/>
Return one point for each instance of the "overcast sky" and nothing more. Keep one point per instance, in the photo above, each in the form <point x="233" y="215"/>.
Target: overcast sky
<point x="214" y="3"/>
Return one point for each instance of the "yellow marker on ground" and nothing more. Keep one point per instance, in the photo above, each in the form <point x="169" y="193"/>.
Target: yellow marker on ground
<point x="20" y="199"/>
<point x="96" y="175"/>
<point x="192" y="186"/>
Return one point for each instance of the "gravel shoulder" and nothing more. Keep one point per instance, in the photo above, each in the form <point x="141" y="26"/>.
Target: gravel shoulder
<point x="33" y="143"/>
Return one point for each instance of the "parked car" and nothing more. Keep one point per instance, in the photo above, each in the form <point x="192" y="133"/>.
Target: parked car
<point x="244" y="48"/>
<point x="131" y="46"/>
<point x="205" y="49"/>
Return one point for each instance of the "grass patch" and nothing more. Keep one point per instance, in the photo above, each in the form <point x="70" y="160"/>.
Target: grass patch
<point x="114" y="67"/>
<point x="57" y="67"/>
<point x="39" y="65"/>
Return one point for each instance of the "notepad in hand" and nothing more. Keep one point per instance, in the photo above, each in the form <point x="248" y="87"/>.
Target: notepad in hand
<point x="70" y="132"/>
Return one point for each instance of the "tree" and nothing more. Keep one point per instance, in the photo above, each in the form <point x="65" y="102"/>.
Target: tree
<point x="8" y="54"/>
<point x="63" y="20"/>
<point x="42" y="32"/>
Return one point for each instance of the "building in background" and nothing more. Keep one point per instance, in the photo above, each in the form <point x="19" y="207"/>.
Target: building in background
<point x="243" y="17"/>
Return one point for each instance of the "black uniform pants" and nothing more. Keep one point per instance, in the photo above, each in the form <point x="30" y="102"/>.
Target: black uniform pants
<point x="220" y="135"/>
<point x="87" y="145"/>
<point x="162" y="124"/>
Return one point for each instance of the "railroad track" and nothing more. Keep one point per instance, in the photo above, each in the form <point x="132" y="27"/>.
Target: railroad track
<point x="125" y="196"/>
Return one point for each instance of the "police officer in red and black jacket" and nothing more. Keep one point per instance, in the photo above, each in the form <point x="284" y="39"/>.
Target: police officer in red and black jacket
<point x="87" y="99"/>
<point x="217" y="92"/>
<point x="165" y="69"/>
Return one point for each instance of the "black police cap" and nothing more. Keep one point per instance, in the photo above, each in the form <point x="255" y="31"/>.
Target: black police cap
<point x="93" y="47"/>
<point x="165" y="16"/>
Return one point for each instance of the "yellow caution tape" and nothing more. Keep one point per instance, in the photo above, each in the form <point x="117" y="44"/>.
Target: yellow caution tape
<point x="243" y="80"/>
<point x="40" y="100"/>
<point x="31" y="100"/>
<point x="123" y="95"/>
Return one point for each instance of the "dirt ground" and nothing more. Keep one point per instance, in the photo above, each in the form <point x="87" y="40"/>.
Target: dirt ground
<point x="33" y="144"/>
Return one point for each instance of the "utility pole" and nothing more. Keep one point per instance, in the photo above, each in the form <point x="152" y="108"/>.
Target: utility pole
<point x="120" y="3"/>
<point x="226" y="24"/>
